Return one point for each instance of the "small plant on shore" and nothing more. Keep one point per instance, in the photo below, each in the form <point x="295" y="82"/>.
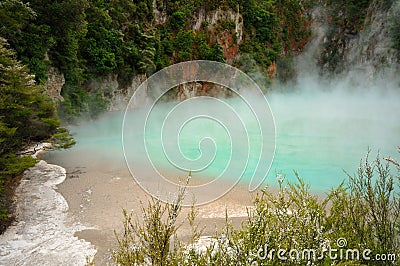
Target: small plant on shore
<point x="154" y="241"/>
<point x="290" y="219"/>
<point x="367" y="213"/>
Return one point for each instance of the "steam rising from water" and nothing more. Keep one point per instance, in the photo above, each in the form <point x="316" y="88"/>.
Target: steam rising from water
<point x="154" y="141"/>
<point x="320" y="132"/>
<point x="323" y="126"/>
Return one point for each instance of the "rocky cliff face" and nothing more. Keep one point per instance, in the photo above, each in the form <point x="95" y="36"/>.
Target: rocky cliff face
<point x="117" y="93"/>
<point x="223" y="26"/>
<point x="367" y="51"/>
<point x="371" y="51"/>
<point x="336" y="49"/>
<point x="54" y="84"/>
<point x="229" y="36"/>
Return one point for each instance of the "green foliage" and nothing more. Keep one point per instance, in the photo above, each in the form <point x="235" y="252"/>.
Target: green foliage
<point x="32" y="47"/>
<point x="118" y="40"/>
<point x="228" y="25"/>
<point x="217" y="53"/>
<point x="177" y="20"/>
<point x="25" y="112"/>
<point x="184" y="44"/>
<point x="368" y="211"/>
<point x="187" y="45"/>
<point x="14" y="16"/>
<point x="26" y="116"/>
<point x="10" y="167"/>
<point x="270" y="28"/>
<point x="80" y="103"/>
<point x="394" y="31"/>
<point x="274" y="28"/>
<point x="75" y="102"/>
<point x="62" y="139"/>
<point x="88" y="39"/>
<point x="97" y="104"/>
<point x="188" y="7"/>
<point x="292" y="218"/>
<point x="102" y="42"/>
<point x="365" y="211"/>
<point x="65" y="28"/>
<point x="153" y="241"/>
<point x="350" y="13"/>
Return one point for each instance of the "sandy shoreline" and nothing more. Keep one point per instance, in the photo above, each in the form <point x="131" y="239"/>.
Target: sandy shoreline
<point x="97" y="189"/>
<point x="44" y="232"/>
<point x="89" y="191"/>
<point x="98" y="202"/>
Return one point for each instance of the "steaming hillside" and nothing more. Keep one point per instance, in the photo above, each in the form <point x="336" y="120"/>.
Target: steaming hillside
<point x="356" y="44"/>
<point x="110" y="49"/>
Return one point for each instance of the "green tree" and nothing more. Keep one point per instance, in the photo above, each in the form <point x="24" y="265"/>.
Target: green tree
<point x="14" y="16"/>
<point x="26" y="116"/>
<point x="30" y="40"/>
<point x="217" y="53"/>
<point x="66" y="22"/>
<point x="23" y="107"/>
<point x="177" y="21"/>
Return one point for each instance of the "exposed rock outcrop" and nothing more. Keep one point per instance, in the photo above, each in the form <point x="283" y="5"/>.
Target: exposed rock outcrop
<point x="54" y="84"/>
<point x="117" y="94"/>
<point x="367" y="51"/>
<point x="160" y="16"/>
<point x="371" y="51"/>
<point x="224" y="27"/>
<point x="336" y="49"/>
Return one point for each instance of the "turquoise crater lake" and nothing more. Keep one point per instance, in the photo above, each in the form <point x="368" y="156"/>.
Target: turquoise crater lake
<point x="318" y="134"/>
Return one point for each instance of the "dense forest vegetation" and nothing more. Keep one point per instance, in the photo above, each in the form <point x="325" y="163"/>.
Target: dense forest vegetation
<point x="87" y="39"/>
<point x="26" y="116"/>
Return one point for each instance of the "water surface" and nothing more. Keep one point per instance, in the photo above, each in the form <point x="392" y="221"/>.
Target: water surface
<point x="318" y="134"/>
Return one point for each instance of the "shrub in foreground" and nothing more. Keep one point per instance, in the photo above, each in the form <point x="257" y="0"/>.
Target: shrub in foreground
<point x="290" y="226"/>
